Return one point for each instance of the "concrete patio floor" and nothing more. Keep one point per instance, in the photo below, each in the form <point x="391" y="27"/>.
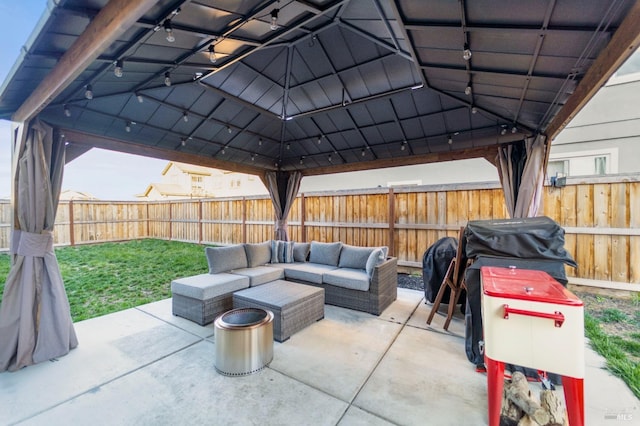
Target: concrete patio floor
<point x="144" y="366"/>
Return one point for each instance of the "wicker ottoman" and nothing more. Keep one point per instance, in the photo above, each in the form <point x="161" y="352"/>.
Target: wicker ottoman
<point x="294" y="305"/>
<point x="201" y="298"/>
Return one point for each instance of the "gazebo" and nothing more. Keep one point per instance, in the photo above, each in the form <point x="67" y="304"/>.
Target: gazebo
<point x="283" y="90"/>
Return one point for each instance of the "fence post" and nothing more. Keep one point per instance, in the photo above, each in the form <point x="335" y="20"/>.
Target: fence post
<point x="392" y="221"/>
<point x="170" y="221"/>
<point x="303" y="230"/>
<point x="199" y="221"/>
<point x="244" y="220"/>
<point x="148" y="220"/>
<point x="72" y="235"/>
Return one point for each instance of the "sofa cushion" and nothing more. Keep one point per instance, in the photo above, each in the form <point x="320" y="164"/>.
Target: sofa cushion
<point x="354" y="257"/>
<point x="310" y="272"/>
<point x="376" y="257"/>
<point x="301" y="251"/>
<point x="281" y="251"/>
<point x="208" y="286"/>
<point x="355" y="279"/>
<point x="260" y="274"/>
<point x="258" y="254"/>
<point x="224" y="259"/>
<point x="325" y="253"/>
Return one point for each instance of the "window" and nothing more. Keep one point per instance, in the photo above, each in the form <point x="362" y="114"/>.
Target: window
<point x="596" y="162"/>
<point x="197" y="184"/>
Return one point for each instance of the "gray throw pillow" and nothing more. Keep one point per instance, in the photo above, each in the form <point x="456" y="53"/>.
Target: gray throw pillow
<point x="375" y="258"/>
<point x="354" y="257"/>
<point x="301" y="251"/>
<point x="223" y="259"/>
<point x="325" y="253"/>
<point x="258" y="254"/>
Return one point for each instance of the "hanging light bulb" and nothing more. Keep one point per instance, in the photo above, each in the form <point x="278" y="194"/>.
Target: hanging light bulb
<point x="253" y="157"/>
<point x="140" y="98"/>
<point x="260" y="142"/>
<point x="320" y="139"/>
<point x="514" y="129"/>
<point x="503" y="131"/>
<point x="117" y="70"/>
<point x="167" y="79"/>
<point x="474" y="110"/>
<point x="468" y="90"/>
<point x="274" y="19"/>
<point x="466" y="53"/>
<point x="223" y="151"/>
<point x="302" y="160"/>
<point x="229" y="129"/>
<point x="185" y="117"/>
<point x="212" y="54"/>
<point x="67" y="111"/>
<point x="88" y="93"/>
<point x="168" y="28"/>
<point x="363" y="152"/>
<point x="183" y="142"/>
<point x="329" y="158"/>
<point x="288" y="146"/>
<point x="127" y="127"/>
<point x="450" y="140"/>
<point x="403" y="145"/>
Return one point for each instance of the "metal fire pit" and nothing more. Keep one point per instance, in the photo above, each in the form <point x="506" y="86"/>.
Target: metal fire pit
<point x="244" y="341"/>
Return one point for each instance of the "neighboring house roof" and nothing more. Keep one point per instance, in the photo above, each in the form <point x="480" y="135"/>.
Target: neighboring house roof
<point x="165" y="189"/>
<point x="188" y="168"/>
<point x="70" y="194"/>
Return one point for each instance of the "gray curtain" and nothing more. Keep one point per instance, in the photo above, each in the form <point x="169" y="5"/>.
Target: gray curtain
<point x="521" y="170"/>
<point x="35" y="320"/>
<point x="283" y="189"/>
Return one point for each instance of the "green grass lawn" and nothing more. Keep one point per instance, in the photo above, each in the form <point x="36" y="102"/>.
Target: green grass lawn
<point x="104" y="278"/>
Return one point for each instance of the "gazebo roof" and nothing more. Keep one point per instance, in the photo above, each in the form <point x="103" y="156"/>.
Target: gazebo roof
<point x="337" y="85"/>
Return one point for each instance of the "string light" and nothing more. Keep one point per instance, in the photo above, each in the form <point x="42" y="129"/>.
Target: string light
<point x="67" y="111"/>
<point x="403" y="145"/>
<point x="329" y="158"/>
<point x="288" y="146"/>
<point x="514" y="129"/>
<point x="88" y="93"/>
<point x="363" y="153"/>
<point x="468" y="90"/>
<point x="167" y="79"/>
<point x="474" y="110"/>
<point x="212" y="54"/>
<point x="140" y="98"/>
<point x="185" y="117"/>
<point x="260" y="142"/>
<point x="127" y="127"/>
<point x="169" y="30"/>
<point x="229" y="129"/>
<point x="274" y="19"/>
<point x="450" y="140"/>
<point x="466" y="53"/>
<point x="183" y="142"/>
<point x="117" y="70"/>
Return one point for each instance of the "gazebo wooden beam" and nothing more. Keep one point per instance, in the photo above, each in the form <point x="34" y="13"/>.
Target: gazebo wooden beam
<point x="480" y="152"/>
<point x="624" y="42"/>
<point x="95" y="141"/>
<point x="112" y="21"/>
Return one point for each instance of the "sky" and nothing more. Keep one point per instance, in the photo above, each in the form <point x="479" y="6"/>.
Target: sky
<point x="106" y="175"/>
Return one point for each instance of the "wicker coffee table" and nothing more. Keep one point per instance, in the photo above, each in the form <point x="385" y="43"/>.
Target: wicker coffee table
<point x="294" y="306"/>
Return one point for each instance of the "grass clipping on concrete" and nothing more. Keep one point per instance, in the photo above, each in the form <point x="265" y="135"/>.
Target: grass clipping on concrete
<point x="109" y="277"/>
<point x="105" y="278"/>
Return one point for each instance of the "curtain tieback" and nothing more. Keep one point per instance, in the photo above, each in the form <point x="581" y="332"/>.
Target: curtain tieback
<point x="281" y="224"/>
<point x="30" y="244"/>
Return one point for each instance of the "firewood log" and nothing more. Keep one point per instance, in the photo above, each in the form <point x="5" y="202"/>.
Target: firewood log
<point x="519" y="393"/>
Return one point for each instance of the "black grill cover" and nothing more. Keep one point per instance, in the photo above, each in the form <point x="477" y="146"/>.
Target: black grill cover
<point x="529" y="238"/>
<point x="435" y="263"/>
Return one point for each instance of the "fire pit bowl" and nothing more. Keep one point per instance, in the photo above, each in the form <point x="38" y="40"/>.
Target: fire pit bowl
<point x="244" y="341"/>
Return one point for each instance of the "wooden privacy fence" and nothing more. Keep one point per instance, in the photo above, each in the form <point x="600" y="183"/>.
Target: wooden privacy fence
<point x="601" y="217"/>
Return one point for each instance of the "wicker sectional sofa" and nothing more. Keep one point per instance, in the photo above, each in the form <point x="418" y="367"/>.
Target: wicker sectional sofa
<point x="360" y="278"/>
